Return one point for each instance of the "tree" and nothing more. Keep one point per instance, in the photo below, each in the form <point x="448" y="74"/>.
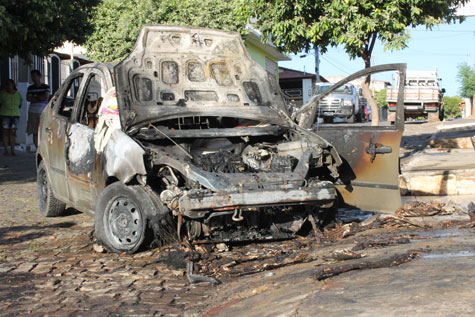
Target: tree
<point x="380" y="97"/>
<point x="38" y="26"/>
<point x="452" y="107"/>
<point x="466" y="77"/>
<point x="354" y="24"/>
<point x="117" y="22"/>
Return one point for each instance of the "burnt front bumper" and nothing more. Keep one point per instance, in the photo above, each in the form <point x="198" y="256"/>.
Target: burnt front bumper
<point x="193" y="204"/>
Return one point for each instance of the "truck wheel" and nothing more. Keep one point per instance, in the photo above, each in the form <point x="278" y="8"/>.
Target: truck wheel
<point x="48" y="204"/>
<point x="442" y="114"/>
<point x="119" y="218"/>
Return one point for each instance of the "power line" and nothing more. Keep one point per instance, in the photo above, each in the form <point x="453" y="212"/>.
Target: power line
<point x="431" y="38"/>
<point x="412" y="51"/>
<point x="334" y="65"/>
<point x="452" y="31"/>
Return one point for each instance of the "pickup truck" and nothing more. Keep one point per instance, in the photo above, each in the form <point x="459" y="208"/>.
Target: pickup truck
<point x="344" y="102"/>
<point x="422" y="96"/>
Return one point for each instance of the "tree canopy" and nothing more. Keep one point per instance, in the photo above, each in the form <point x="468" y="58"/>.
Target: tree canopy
<point x="294" y="25"/>
<point x="380" y="97"/>
<point x="117" y="22"/>
<point x="466" y="77"/>
<point x="452" y="106"/>
<point x="38" y="26"/>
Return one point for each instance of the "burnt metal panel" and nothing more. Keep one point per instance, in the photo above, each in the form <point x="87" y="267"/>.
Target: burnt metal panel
<point x="370" y="181"/>
<point x="369" y="175"/>
<point x="80" y="152"/>
<point x="193" y="71"/>
<point x="124" y="157"/>
<point x="222" y="200"/>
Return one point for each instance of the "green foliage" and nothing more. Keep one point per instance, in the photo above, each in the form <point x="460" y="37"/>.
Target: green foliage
<point x="38" y="26"/>
<point x="451" y="107"/>
<point x="380" y="97"/>
<point x="355" y="24"/>
<point x="117" y="22"/>
<point x="466" y="77"/>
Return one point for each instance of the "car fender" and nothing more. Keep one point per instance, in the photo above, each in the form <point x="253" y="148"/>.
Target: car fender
<point x="124" y="157"/>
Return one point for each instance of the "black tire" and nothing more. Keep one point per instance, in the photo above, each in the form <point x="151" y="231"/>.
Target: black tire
<point x="48" y="204"/>
<point x="442" y="114"/>
<point x="119" y="219"/>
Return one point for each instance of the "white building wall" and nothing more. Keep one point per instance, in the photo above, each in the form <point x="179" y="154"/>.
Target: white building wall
<point x="468" y="108"/>
<point x="307" y="90"/>
<point x="21" y="136"/>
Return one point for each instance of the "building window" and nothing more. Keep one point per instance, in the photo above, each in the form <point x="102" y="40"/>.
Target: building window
<point x="76" y="64"/>
<point x="54" y="72"/>
<point x="39" y="64"/>
<point x="13" y="68"/>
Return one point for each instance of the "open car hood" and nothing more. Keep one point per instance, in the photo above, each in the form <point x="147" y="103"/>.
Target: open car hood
<point x="178" y="71"/>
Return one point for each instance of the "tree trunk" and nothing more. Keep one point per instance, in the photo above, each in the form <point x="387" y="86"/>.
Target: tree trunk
<point x="369" y="96"/>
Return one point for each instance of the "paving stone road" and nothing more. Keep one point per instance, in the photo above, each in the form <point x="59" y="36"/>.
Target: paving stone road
<point x="48" y="267"/>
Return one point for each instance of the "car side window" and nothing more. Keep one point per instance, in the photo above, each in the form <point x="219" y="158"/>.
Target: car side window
<point x="67" y="103"/>
<point x="90" y="104"/>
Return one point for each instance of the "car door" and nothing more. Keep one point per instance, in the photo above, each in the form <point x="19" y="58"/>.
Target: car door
<point x="369" y="175"/>
<point x="55" y="123"/>
<point x="80" y="154"/>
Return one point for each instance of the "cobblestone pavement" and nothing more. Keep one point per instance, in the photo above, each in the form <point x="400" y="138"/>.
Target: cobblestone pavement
<point x="48" y="266"/>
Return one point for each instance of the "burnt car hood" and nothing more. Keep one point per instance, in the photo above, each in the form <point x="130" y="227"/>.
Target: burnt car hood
<point x="178" y="71"/>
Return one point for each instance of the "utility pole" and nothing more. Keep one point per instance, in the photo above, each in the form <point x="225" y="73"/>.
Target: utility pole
<point x="317" y="63"/>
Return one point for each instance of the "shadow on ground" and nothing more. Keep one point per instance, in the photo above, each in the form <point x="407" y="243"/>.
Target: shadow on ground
<point x="41" y="232"/>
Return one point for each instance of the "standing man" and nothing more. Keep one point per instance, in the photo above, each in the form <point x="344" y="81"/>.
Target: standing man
<point x="37" y="95"/>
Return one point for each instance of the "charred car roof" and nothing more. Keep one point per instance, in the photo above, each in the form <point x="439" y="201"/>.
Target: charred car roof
<point x="181" y="71"/>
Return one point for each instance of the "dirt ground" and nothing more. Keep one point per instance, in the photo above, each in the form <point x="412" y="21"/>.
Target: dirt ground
<point x="48" y="266"/>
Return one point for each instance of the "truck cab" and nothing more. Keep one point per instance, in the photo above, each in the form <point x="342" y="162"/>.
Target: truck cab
<point x="422" y="96"/>
<point x="344" y="102"/>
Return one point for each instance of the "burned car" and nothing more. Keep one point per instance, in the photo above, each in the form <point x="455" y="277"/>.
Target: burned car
<point x="187" y="137"/>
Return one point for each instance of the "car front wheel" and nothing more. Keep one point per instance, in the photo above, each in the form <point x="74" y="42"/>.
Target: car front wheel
<point x="120" y="222"/>
<point x="47" y="202"/>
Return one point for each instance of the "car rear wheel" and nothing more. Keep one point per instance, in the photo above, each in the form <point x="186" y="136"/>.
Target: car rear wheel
<point x="48" y="204"/>
<point x="120" y="222"/>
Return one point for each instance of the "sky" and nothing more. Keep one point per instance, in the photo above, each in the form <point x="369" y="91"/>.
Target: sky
<point x="444" y="48"/>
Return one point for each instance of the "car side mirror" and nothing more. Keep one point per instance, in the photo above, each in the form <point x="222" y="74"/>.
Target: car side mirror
<point x="443" y="90"/>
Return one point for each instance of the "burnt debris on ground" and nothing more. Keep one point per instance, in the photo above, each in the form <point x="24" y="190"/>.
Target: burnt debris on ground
<point x="340" y="242"/>
<point x="327" y="271"/>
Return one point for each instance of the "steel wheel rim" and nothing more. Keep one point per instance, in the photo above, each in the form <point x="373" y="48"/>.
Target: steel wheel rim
<point x="124" y="222"/>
